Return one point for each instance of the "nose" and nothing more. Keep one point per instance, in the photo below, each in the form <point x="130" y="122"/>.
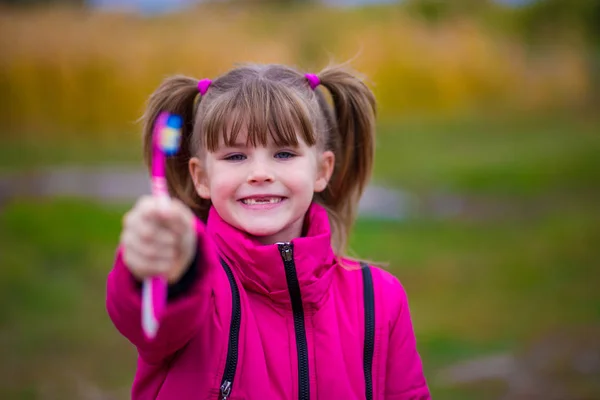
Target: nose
<point x="260" y="172"/>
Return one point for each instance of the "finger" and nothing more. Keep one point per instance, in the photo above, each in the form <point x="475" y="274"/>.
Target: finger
<point x="164" y="208"/>
<point x="162" y="237"/>
<point x="153" y="253"/>
<point x="144" y="201"/>
<point x="145" y="230"/>
<point x="146" y="237"/>
<point x="137" y="212"/>
<point x="126" y="220"/>
<point x="124" y="237"/>
<point x="180" y="219"/>
<point x="141" y="267"/>
<point x="153" y="208"/>
<point x="134" y="263"/>
<point x="155" y="233"/>
<point x="165" y="237"/>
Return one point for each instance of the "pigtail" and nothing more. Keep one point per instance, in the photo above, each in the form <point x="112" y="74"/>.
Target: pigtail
<point x="175" y="95"/>
<point x="352" y="138"/>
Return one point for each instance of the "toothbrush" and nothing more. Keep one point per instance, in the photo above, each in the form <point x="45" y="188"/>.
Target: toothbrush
<point x="166" y="138"/>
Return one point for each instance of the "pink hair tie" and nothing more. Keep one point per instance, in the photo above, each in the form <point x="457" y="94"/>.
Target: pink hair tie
<point x="203" y="85"/>
<point x="313" y="80"/>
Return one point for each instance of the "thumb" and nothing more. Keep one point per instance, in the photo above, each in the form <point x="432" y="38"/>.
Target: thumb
<point x="179" y="218"/>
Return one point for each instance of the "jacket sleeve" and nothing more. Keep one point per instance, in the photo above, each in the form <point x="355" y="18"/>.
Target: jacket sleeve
<point x="405" y="379"/>
<point x="185" y="310"/>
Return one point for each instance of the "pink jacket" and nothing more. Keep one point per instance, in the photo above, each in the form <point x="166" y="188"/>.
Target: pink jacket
<point x="283" y="321"/>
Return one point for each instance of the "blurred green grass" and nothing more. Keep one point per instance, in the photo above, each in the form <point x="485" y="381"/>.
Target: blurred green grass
<point x="56" y="334"/>
<point x="491" y="155"/>
<point x="473" y="288"/>
<point x="475" y="285"/>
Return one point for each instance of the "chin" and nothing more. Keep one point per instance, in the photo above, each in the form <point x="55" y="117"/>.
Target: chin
<point x="261" y="230"/>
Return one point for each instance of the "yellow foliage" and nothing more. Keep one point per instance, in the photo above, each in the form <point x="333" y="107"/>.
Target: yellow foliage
<point x="78" y="71"/>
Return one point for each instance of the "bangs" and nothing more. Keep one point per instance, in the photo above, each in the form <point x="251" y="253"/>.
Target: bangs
<point x="267" y="110"/>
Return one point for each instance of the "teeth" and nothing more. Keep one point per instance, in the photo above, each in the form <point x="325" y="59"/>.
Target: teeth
<point x="271" y="200"/>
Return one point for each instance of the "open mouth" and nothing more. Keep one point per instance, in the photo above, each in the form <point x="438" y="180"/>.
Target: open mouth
<point x="262" y="200"/>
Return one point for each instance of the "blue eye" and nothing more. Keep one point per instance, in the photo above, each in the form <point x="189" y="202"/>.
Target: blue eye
<point x="235" y="157"/>
<point x="284" y="155"/>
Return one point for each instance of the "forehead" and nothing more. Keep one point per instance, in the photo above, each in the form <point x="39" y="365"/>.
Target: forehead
<point x="256" y="115"/>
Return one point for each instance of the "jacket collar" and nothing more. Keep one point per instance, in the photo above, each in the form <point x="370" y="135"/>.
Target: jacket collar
<point x="260" y="268"/>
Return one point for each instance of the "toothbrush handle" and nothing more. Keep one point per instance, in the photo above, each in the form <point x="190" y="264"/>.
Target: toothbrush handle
<point x="154" y="299"/>
<point x="154" y="289"/>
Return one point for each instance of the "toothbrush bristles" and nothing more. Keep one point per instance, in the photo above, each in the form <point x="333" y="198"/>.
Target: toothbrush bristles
<point x="170" y="135"/>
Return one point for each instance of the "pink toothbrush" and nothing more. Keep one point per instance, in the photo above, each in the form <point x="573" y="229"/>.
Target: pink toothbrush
<point x="165" y="142"/>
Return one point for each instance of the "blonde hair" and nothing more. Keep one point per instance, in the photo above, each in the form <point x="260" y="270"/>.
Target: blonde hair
<point x="274" y="101"/>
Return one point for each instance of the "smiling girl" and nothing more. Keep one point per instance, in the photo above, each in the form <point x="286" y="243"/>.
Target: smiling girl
<point x="262" y="301"/>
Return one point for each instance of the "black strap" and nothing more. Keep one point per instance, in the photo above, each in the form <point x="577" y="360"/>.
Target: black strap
<point x="369" y="346"/>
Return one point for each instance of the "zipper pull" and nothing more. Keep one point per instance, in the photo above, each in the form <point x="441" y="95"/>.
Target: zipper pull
<point x="225" y="390"/>
<point x="285" y="249"/>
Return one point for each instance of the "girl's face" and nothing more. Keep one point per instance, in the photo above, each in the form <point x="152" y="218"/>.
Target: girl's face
<point x="264" y="191"/>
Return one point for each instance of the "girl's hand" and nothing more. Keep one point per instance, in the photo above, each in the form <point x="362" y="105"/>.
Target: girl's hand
<point x="158" y="238"/>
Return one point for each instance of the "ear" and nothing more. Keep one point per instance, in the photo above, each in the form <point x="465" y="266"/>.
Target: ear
<point x="324" y="170"/>
<point x="200" y="178"/>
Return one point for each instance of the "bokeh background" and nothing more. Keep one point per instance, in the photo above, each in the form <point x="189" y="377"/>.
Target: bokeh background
<point x="484" y="200"/>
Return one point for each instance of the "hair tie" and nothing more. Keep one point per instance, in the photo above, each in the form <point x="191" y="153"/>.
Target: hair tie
<point x="203" y="85"/>
<point x="313" y="80"/>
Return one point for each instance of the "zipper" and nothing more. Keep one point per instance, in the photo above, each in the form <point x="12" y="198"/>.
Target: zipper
<point x="369" y="300"/>
<point x="234" y="334"/>
<point x="287" y="255"/>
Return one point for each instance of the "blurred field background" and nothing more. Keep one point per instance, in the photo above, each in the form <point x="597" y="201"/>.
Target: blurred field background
<point x="488" y="123"/>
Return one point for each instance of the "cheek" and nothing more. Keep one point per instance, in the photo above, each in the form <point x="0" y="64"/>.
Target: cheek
<point x="303" y="178"/>
<point x="219" y="186"/>
<point x="223" y="182"/>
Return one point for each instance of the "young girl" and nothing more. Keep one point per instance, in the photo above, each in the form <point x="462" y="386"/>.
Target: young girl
<point x="262" y="303"/>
